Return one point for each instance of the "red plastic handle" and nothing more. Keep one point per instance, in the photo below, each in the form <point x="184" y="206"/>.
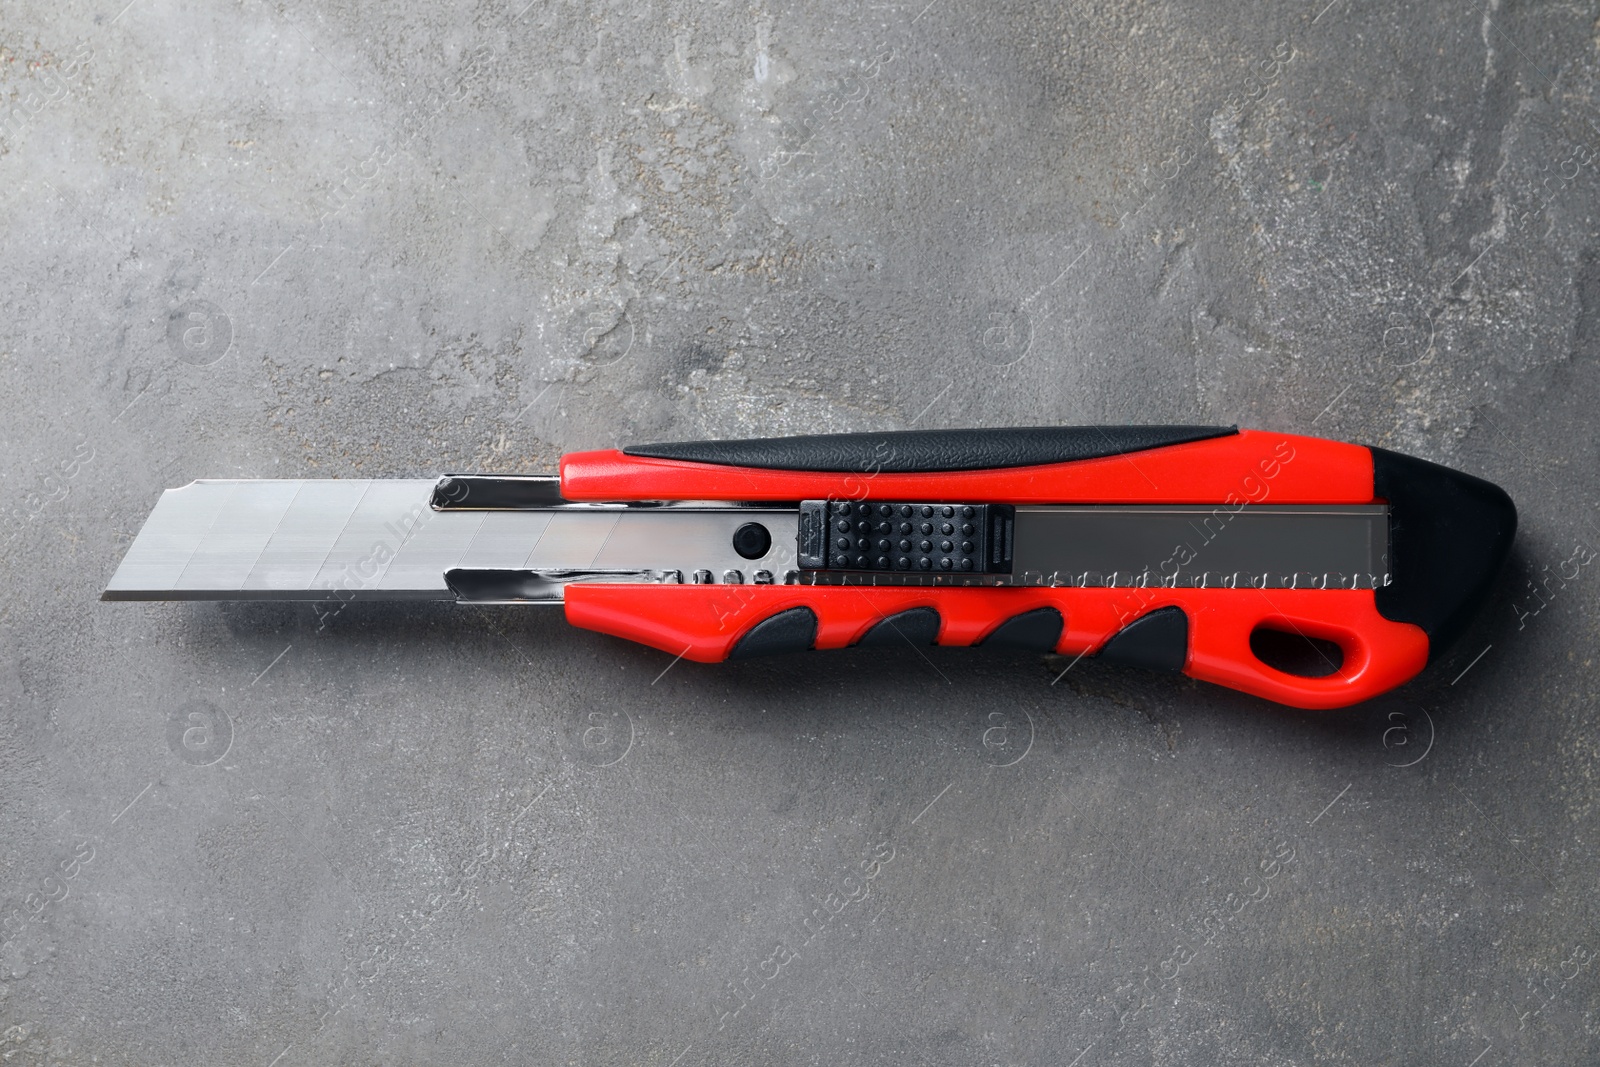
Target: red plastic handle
<point x="704" y="623"/>
<point x="1449" y="534"/>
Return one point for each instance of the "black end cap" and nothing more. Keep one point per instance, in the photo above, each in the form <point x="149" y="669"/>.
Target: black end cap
<point x="1449" y="535"/>
<point x="1035" y="631"/>
<point x="918" y="626"/>
<point x="1157" y="641"/>
<point x="794" y="630"/>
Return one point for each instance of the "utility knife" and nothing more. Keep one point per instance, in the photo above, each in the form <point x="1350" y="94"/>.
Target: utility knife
<point x="1187" y="548"/>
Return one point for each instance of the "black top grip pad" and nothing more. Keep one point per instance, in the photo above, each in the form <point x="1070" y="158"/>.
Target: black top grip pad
<point x="930" y="451"/>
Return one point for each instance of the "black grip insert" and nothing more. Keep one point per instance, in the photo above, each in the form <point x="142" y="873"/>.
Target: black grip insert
<point x="929" y="451"/>
<point x="793" y="630"/>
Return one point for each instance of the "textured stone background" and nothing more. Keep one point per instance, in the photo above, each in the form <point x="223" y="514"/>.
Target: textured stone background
<point x="255" y="239"/>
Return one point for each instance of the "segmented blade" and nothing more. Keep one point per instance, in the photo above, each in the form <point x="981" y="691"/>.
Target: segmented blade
<point x="381" y="540"/>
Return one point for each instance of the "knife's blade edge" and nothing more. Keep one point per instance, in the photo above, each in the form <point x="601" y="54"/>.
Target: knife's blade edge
<point x="307" y="596"/>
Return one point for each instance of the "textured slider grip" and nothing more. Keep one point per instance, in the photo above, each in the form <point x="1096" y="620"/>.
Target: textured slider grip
<point x="844" y="535"/>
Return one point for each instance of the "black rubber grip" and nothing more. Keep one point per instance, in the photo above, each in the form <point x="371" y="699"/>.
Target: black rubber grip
<point x="1037" y="630"/>
<point x="914" y="626"/>
<point x="794" y="630"/>
<point x="1157" y="641"/>
<point x="931" y="451"/>
<point x="1449" y="534"/>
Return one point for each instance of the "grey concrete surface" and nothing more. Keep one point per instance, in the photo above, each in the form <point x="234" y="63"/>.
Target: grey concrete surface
<point x="254" y="239"/>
